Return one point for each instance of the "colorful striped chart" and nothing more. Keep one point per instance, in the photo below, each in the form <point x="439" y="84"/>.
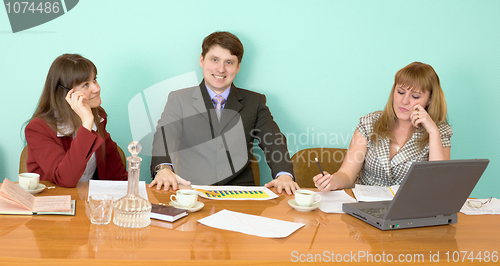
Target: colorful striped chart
<point x="236" y="194"/>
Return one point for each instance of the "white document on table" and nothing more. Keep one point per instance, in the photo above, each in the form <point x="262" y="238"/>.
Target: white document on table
<point x="492" y="207"/>
<point x="251" y="224"/>
<point x="374" y="193"/>
<point x="331" y="201"/>
<point x="117" y="189"/>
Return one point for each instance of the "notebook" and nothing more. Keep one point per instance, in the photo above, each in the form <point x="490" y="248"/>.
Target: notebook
<point x="166" y="213"/>
<point x="431" y="193"/>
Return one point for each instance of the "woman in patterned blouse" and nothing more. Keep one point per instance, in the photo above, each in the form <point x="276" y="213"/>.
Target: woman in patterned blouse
<point x="412" y="128"/>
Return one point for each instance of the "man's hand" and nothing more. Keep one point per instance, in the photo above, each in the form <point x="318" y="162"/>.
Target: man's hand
<point x="284" y="182"/>
<point x="167" y="179"/>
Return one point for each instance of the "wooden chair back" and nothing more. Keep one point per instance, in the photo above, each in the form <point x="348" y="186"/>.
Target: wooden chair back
<point x="305" y="166"/>
<point x="255" y="168"/>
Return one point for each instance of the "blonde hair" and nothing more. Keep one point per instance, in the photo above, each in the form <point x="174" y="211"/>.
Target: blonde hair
<point x="418" y="77"/>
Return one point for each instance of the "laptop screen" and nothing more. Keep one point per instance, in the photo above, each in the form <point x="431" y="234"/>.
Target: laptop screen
<point x="435" y="188"/>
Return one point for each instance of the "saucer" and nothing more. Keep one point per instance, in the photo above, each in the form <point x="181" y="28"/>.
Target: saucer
<point x="303" y="209"/>
<point x="37" y="190"/>
<point x="195" y="208"/>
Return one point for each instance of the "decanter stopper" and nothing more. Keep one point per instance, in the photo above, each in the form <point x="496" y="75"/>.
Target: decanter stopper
<point x="134" y="148"/>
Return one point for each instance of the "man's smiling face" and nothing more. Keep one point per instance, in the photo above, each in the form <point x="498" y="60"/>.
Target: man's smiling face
<point x="219" y="68"/>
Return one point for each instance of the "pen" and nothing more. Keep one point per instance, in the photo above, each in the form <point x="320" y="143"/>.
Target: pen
<point x="63" y="87"/>
<point x="319" y="165"/>
<point x="394" y="194"/>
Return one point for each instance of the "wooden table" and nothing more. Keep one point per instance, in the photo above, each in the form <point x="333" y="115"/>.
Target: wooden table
<point x="68" y="240"/>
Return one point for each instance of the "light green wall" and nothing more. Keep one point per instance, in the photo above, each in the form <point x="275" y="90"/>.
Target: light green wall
<point x="322" y="64"/>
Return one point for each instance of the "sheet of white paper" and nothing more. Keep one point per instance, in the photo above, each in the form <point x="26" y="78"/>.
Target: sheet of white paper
<point x="250" y="224"/>
<point x="117" y="189"/>
<point x="492" y="207"/>
<point x="331" y="201"/>
<point x="374" y="193"/>
<point x="237" y="192"/>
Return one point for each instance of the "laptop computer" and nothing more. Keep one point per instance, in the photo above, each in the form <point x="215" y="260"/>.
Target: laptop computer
<point x="431" y="193"/>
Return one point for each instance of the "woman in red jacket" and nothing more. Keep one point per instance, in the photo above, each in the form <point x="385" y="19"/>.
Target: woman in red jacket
<point x="67" y="137"/>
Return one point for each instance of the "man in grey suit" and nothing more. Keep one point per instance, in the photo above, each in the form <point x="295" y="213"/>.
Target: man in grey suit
<point x="206" y="133"/>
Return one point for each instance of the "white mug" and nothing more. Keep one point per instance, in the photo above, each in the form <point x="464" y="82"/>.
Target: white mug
<point x="306" y="198"/>
<point x="29" y="181"/>
<point x="185" y="198"/>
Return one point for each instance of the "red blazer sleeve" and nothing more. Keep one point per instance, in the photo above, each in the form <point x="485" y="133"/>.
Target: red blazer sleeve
<point x="61" y="160"/>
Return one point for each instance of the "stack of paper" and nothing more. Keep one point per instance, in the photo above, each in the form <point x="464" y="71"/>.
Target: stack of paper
<point x="331" y="201"/>
<point x="117" y="189"/>
<point x="492" y="207"/>
<point x="374" y="193"/>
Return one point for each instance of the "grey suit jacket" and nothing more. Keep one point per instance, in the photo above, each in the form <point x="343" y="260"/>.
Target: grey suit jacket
<point x="204" y="151"/>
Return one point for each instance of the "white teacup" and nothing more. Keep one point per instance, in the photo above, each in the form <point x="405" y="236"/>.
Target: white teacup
<point x="185" y="198"/>
<point x="306" y="198"/>
<point x="29" y="181"/>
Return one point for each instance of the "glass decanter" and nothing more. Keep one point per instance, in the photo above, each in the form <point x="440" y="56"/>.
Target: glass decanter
<point x="132" y="211"/>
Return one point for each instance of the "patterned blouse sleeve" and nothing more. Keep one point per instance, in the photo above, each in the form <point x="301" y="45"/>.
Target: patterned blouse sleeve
<point x="446" y="133"/>
<point x="366" y="124"/>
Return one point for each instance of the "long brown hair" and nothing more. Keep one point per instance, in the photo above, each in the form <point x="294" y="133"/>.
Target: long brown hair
<point x="67" y="71"/>
<point x="418" y="77"/>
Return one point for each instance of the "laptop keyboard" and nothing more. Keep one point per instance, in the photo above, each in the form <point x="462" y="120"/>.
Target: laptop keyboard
<point x="375" y="212"/>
